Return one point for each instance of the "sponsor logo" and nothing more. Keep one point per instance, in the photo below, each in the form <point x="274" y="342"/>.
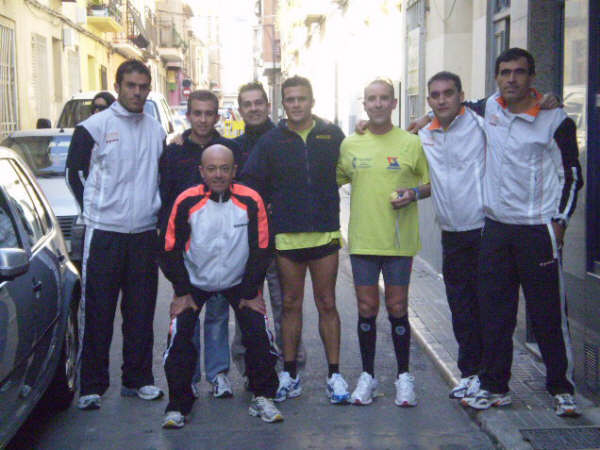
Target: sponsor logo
<point x="239" y="225"/>
<point x="400" y="330"/>
<point x="393" y="163"/>
<point x="362" y="163"/>
<point x="112" y="137"/>
<point x="323" y="136"/>
<point x="494" y="120"/>
<point x="365" y="327"/>
<point x="547" y="263"/>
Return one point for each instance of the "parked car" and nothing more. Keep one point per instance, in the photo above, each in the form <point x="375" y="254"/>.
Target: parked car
<point x="79" y="108"/>
<point x="39" y="298"/>
<point x="45" y="151"/>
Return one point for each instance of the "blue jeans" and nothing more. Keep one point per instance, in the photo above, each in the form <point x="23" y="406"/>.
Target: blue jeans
<point x="216" y="339"/>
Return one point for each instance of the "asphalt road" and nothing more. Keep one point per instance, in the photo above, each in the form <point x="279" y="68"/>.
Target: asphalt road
<point x="310" y="421"/>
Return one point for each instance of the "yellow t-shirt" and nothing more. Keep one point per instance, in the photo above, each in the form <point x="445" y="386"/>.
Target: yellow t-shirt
<point x="377" y="165"/>
<point x="293" y="241"/>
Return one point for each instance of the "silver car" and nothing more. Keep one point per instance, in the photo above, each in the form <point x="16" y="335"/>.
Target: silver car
<point x="45" y="151"/>
<point x="39" y="297"/>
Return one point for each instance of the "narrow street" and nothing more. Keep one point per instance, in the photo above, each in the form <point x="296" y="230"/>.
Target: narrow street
<point x="310" y="421"/>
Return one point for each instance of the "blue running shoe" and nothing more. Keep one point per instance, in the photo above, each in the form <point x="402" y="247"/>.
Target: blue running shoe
<point x="288" y="387"/>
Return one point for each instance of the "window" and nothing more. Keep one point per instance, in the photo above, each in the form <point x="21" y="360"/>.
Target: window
<point x="8" y="232"/>
<point x="9" y="114"/>
<point x="39" y="75"/>
<point x="28" y="209"/>
<point x="499" y="38"/>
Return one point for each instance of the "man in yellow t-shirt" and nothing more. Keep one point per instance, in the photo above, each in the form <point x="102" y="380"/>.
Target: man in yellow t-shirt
<point x="388" y="171"/>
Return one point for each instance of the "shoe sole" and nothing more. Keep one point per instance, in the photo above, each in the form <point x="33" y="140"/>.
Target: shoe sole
<point x="225" y="394"/>
<point x="130" y="392"/>
<point x="291" y="394"/>
<point x="456" y="396"/>
<point x="358" y="402"/>
<point x="568" y="413"/>
<point x="256" y="413"/>
<point x="172" y="425"/>
<point x="496" y="404"/>
<point x="89" y="407"/>
<point x="405" y="404"/>
<point x="338" y="400"/>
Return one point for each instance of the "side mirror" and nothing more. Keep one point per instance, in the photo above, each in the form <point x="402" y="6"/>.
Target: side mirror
<point x="13" y="262"/>
<point x="43" y="123"/>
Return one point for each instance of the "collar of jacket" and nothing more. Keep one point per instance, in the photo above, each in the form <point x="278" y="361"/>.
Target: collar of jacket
<point x="217" y="197"/>
<point x="214" y="135"/>
<point x="259" y="130"/>
<point x="120" y="111"/>
<point x="319" y="125"/>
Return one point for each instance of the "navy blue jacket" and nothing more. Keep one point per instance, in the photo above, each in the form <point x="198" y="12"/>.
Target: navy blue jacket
<point x="248" y="140"/>
<point x="179" y="170"/>
<point x="298" y="179"/>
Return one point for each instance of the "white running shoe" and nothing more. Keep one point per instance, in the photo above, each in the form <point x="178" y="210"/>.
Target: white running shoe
<point x="565" y="406"/>
<point x="173" y="420"/>
<point x="148" y="392"/>
<point x="264" y="408"/>
<point x="365" y="390"/>
<point x="485" y="399"/>
<point x="222" y="386"/>
<point x="288" y="387"/>
<point x="405" y="390"/>
<point x="466" y="387"/>
<point x="89" y="402"/>
<point x="337" y="389"/>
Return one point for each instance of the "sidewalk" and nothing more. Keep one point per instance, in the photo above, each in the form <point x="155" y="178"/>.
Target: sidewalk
<point x="532" y="406"/>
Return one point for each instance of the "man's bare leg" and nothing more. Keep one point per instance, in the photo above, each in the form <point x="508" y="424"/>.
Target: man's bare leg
<point x="323" y="273"/>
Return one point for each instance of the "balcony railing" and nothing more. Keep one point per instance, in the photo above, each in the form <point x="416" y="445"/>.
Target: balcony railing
<point x="106" y="8"/>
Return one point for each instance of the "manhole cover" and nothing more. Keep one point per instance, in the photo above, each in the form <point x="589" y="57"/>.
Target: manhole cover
<point x="562" y="438"/>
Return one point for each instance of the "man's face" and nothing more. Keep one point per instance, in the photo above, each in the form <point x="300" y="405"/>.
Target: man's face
<point x="217" y="169"/>
<point x="514" y="80"/>
<point x="203" y="117"/>
<point x="133" y="90"/>
<point x="253" y="108"/>
<point x="445" y="100"/>
<point x="298" y="104"/>
<point x="379" y="103"/>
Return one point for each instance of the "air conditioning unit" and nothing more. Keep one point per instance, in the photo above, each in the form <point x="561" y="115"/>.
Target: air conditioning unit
<point x="70" y="37"/>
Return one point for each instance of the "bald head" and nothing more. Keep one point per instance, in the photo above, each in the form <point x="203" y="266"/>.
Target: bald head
<point x="218" y="167"/>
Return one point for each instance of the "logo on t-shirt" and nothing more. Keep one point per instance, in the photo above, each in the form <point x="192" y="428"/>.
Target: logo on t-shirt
<point x="393" y="163"/>
<point x="361" y="163"/>
<point x="112" y="137"/>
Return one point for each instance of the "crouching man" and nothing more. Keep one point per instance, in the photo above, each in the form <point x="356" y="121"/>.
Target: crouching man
<point x="217" y="241"/>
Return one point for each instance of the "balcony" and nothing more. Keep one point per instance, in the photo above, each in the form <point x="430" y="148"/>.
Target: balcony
<point x="172" y="46"/>
<point x="135" y="39"/>
<point x="105" y="16"/>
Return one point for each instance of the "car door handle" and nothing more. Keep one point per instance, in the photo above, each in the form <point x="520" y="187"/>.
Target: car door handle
<point x="37" y="285"/>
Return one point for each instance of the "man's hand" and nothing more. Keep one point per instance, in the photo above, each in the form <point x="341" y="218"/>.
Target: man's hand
<point x="549" y="101"/>
<point x="559" y="233"/>
<point x="180" y="304"/>
<point x="361" y="127"/>
<point x="404" y="197"/>
<point x="257" y="304"/>
<point x="417" y="124"/>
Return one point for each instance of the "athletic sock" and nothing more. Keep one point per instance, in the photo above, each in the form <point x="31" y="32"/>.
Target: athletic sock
<point x="367" y="337"/>
<point x="401" y="340"/>
<point x="291" y="367"/>
<point x="333" y="368"/>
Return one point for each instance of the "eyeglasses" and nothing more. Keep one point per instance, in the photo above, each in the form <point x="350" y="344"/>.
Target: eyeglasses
<point x="96" y="107"/>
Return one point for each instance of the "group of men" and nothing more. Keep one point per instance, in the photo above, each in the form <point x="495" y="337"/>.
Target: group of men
<point x="504" y="181"/>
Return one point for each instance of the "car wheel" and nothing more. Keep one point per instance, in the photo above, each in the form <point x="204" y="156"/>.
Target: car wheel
<point x="61" y="391"/>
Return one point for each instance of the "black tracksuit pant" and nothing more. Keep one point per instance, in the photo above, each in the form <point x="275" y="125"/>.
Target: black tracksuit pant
<point x="112" y="263"/>
<point x="181" y="354"/>
<point x="526" y="255"/>
<point x="460" y="252"/>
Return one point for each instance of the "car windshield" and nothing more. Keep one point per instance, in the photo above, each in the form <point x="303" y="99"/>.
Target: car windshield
<point x="45" y="155"/>
<point x="77" y="110"/>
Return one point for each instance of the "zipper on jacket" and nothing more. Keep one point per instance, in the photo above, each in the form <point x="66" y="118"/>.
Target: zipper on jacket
<point x="308" y="179"/>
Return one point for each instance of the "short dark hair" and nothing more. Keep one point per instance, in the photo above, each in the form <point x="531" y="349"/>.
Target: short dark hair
<point x="106" y="96"/>
<point x="513" y="54"/>
<point x="381" y="80"/>
<point x="294" y="81"/>
<point x="132" y="65"/>
<point x="252" y="86"/>
<point x="446" y="76"/>
<point x="203" y="95"/>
